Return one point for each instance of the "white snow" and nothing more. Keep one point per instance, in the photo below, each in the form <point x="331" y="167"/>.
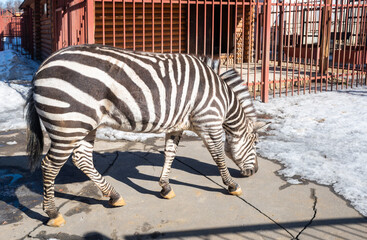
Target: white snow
<point x="108" y="133"/>
<point x="317" y="137"/>
<point x="11" y="142"/>
<point x="321" y="137"/>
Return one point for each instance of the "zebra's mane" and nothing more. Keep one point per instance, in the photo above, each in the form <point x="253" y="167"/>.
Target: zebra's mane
<point x="210" y="62"/>
<point x="233" y="79"/>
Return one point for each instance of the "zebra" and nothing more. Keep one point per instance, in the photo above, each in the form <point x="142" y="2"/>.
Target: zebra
<point x="80" y="88"/>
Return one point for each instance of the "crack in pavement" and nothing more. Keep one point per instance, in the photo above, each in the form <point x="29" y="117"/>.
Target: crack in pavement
<point x="29" y="234"/>
<point x="313" y="196"/>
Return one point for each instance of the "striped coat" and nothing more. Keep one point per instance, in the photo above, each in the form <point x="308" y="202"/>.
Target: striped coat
<point x="80" y="88"/>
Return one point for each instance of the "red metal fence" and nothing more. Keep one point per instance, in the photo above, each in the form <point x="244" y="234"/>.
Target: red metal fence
<point x="279" y="47"/>
<point x="10" y="29"/>
<point x="16" y="31"/>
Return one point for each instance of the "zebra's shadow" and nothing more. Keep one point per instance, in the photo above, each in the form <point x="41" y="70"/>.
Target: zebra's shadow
<point x="21" y="190"/>
<point x="130" y="167"/>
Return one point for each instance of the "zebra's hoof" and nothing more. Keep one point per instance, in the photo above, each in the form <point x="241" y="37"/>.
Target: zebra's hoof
<point x="167" y="192"/>
<point x="237" y="191"/>
<point x="169" y="195"/>
<point x="117" y="203"/>
<point x="59" y="221"/>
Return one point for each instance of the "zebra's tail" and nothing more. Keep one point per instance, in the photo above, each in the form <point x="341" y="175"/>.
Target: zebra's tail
<point x="34" y="133"/>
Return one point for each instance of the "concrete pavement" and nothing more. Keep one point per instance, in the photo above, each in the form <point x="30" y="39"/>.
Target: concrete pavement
<point x="269" y="208"/>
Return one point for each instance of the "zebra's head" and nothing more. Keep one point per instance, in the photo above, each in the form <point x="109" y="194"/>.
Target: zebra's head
<point x="240" y="147"/>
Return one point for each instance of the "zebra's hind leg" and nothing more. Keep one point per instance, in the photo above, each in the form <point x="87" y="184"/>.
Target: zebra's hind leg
<point x="51" y="165"/>
<point x="83" y="159"/>
<point x="213" y="141"/>
<point x="172" y="141"/>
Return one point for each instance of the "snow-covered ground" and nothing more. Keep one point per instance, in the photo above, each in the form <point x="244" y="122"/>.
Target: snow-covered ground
<point x="323" y="138"/>
<point x="318" y="137"/>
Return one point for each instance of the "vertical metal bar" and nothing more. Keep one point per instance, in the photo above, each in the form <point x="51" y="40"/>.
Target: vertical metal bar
<point x="162" y="26"/>
<point x="188" y="26"/>
<point x="243" y="38"/>
<point x="359" y="47"/>
<point x="103" y="24"/>
<point x="318" y="46"/>
<point x="235" y="36"/>
<point x="205" y="27"/>
<point x="334" y="44"/>
<point x="228" y="31"/>
<point x="153" y="37"/>
<point x="281" y="36"/>
<point x="212" y="27"/>
<point x="306" y="49"/>
<point x="363" y="54"/>
<point x="294" y="42"/>
<point x="134" y="35"/>
<point x="312" y="42"/>
<point x="288" y="46"/>
<point x="345" y="42"/>
<point x="250" y="45"/>
<point x="170" y="27"/>
<point x="275" y="47"/>
<point x="356" y="45"/>
<point x="124" y="22"/>
<point x="266" y="54"/>
<point x="325" y="40"/>
<point x="256" y="46"/>
<point x="196" y="27"/>
<point x="90" y="22"/>
<point x="113" y="23"/>
<point x="143" y="25"/>
<point x="350" y="44"/>
<point x="179" y="27"/>
<point x="340" y="39"/>
<point x="300" y="49"/>
<point x="220" y="30"/>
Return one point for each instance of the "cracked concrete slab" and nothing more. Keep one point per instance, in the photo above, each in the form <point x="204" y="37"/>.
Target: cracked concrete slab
<point x="270" y="208"/>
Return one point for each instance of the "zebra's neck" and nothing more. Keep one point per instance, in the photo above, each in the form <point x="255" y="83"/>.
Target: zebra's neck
<point x="235" y="121"/>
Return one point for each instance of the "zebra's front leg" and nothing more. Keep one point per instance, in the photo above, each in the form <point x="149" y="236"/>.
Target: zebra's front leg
<point x="83" y="159"/>
<point x="172" y="141"/>
<point x="214" y="143"/>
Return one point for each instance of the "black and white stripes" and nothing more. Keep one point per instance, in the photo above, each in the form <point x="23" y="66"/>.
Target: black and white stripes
<point x="80" y="88"/>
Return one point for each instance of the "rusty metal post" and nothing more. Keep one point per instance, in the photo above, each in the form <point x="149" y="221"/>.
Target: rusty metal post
<point x="90" y="21"/>
<point x="266" y="53"/>
<point x="326" y="37"/>
<point x="281" y="35"/>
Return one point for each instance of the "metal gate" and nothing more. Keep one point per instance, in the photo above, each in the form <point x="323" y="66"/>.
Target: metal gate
<point x="10" y="29"/>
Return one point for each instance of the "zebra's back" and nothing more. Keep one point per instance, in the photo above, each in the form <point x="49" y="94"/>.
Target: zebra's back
<point x="89" y="85"/>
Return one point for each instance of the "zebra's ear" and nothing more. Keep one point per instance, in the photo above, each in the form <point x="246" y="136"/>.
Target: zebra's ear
<point x="215" y="65"/>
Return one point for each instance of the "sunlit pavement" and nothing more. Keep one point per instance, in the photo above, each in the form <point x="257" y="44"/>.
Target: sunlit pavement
<point x="270" y="208"/>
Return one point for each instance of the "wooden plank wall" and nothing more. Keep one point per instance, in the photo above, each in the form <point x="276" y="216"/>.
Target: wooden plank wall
<point x="45" y="28"/>
<point x="109" y="34"/>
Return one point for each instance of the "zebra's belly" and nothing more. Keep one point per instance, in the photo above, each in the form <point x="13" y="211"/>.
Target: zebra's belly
<point x="123" y="123"/>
